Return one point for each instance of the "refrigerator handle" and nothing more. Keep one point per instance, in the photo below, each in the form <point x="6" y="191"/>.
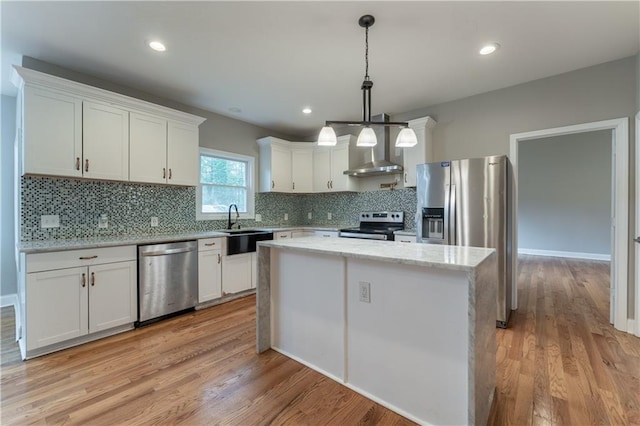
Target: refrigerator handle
<point x="451" y="218"/>
<point x="445" y="221"/>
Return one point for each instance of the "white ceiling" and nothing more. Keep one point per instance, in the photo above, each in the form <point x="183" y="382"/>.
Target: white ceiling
<point x="273" y="58"/>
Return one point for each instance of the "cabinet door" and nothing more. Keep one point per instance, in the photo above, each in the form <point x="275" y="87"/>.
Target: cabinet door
<point x="182" y="154"/>
<point x="112" y="295"/>
<point x="209" y="275"/>
<point x="236" y="273"/>
<point x="339" y="163"/>
<point x="105" y="141"/>
<point x="52" y="133"/>
<point x="322" y="170"/>
<point x="302" y="170"/>
<point x="302" y="233"/>
<point x="147" y="148"/>
<point x="57" y="306"/>
<point x="280" y="169"/>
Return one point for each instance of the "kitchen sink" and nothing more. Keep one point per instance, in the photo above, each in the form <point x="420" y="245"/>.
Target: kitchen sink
<point x="244" y="240"/>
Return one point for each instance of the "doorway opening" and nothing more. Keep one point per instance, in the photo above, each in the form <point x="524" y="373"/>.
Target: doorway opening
<point x="619" y="206"/>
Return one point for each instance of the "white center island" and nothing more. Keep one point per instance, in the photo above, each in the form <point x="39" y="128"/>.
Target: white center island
<point x="410" y="326"/>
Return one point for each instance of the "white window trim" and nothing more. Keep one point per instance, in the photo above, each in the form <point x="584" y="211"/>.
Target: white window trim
<point x="250" y="214"/>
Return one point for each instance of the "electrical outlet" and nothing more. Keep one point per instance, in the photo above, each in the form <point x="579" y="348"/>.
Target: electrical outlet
<point x="309" y="215"/>
<point x="364" y="289"/>
<point x="50" y="221"/>
<point x="258" y="217"/>
<point x="286" y="216"/>
<point x="154" y="221"/>
<point x="103" y="221"/>
<point x="329" y="216"/>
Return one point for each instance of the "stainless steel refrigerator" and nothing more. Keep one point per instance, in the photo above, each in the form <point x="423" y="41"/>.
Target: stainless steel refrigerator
<point x="466" y="203"/>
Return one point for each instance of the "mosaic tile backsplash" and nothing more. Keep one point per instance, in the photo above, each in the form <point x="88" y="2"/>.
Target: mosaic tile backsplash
<point x="130" y="206"/>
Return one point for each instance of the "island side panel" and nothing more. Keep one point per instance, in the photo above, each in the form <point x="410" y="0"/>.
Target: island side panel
<point x="307" y="309"/>
<point x="263" y="300"/>
<point x="408" y="347"/>
<point x="482" y="358"/>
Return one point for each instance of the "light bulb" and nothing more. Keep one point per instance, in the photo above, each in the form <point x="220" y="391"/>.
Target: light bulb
<point x="367" y="137"/>
<point x="327" y="137"/>
<point x="406" y="138"/>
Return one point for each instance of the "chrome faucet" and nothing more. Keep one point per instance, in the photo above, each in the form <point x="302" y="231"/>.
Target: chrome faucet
<point x="230" y="224"/>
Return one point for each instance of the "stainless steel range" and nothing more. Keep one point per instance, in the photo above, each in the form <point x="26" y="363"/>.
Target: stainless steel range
<point x="376" y="226"/>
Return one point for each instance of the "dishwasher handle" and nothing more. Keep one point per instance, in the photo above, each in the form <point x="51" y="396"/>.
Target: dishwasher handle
<point x="166" y="252"/>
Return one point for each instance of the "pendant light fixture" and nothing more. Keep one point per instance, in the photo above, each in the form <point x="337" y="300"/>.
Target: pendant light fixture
<point x="367" y="138"/>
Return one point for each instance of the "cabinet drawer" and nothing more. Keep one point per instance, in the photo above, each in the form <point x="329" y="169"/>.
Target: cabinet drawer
<point x="84" y="257"/>
<point x="281" y="235"/>
<point x="210" y="244"/>
<point x="405" y="239"/>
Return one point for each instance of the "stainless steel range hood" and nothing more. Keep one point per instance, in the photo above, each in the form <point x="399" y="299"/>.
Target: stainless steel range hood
<point x="380" y="163"/>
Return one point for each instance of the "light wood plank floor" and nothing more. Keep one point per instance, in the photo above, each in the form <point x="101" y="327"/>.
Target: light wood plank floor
<point x="560" y="362"/>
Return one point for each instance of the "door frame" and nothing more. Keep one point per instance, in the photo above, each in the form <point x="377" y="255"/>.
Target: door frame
<point x="637" y="247"/>
<point x="620" y="220"/>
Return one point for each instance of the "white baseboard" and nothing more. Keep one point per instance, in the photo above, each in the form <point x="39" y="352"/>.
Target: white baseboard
<point x="9" y="300"/>
<point x="567" y="254"/>
<point x="633" y="326"/>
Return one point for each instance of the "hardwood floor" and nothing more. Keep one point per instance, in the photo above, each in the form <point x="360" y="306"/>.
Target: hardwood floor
<point x="560" y="362"/>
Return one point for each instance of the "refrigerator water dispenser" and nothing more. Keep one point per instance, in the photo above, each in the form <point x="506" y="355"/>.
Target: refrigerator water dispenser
<point x="433" y="223"/>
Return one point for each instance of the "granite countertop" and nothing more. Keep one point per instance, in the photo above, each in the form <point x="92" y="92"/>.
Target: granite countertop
<point x="455" y="258"/>
<point x="43" y="246"/>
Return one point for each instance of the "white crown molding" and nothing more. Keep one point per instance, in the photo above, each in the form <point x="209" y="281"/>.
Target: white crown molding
<point x="24" y="76"/>
<point x="422" y="123"/>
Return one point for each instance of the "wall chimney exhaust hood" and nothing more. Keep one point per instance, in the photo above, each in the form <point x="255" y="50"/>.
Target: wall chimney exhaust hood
<point x="380" y="163"/>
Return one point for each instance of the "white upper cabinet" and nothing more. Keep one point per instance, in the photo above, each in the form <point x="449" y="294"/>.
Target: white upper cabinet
<point x="182" y="154"/>
<point x="71" y="129"/>
<point x="285" y="166"/>
<point x="329" y="164"/>
<point x="301" y="170"/>
<point x="147" y="148"/>
<point x="52" y="123"/>
<point x="421" y="153"/>
<point x="105" y="141"/>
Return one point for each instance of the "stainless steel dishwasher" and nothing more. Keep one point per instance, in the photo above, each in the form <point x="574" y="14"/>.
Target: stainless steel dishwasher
<point x="167" y="279"/>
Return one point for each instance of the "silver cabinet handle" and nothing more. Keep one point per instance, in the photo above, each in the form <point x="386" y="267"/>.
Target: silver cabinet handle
<point x="331" y="184"/>
<point x="273" y="184"/>
<point x="164" y="173"/>
<point x="328" y="185"/>
<point x="88" y="257"/>
<point x="219" y="258"/>
<point x="294" y="185"/>
<point x="93" y="279"/>
<point x="169" y="173"/>
<point x="209" y="244"/>
<point x="77" y="163"/>
<point x="405" y="178"/>
<point x="84" y="280"/>
<point x="86" y="165"/>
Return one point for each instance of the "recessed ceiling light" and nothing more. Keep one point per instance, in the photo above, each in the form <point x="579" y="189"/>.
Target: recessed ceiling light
<point x="306" y="110"/>
<point x="235" y="110"/>
<point x="489" y="48"/>
<point x="157" y="46"/>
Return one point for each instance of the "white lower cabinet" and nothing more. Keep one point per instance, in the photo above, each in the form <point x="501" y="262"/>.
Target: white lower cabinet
<point x="405" y="238"/>
<point x="282" y="235"/>
<point x="71" y="294"/>
<point x="326" y="234"/>
<point x="209" y="269"/>
<point x="68" y="303"/>
<point x="302" y="233"/>
<point x="236" y="273"/>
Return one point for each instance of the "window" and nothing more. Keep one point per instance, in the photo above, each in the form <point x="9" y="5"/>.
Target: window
<point x="225" y="179"/>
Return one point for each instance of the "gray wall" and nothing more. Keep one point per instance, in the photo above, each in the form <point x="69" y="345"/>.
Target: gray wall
<point x="8" y="275"/>
<point x="564" y="193"/>
<point x="480" y="125"/>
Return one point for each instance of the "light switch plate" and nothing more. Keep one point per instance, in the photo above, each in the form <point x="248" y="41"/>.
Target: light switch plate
<point x="329" y="216"/>
<point x="154" y="221"/>
<point x="103" y="221"/>
<point x="50" y="221"/>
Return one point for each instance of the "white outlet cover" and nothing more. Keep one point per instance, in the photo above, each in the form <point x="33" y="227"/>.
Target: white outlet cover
<point x="364" y="291"/>
<point x="329" y="216"/>
<point x="309" y="215"/>
<point x="50" y="221"/>
<point x="154" y="221"/>
<point x="286" y="216"/>
<point x="258" y="217"/>
<point x="103" y="221"/>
